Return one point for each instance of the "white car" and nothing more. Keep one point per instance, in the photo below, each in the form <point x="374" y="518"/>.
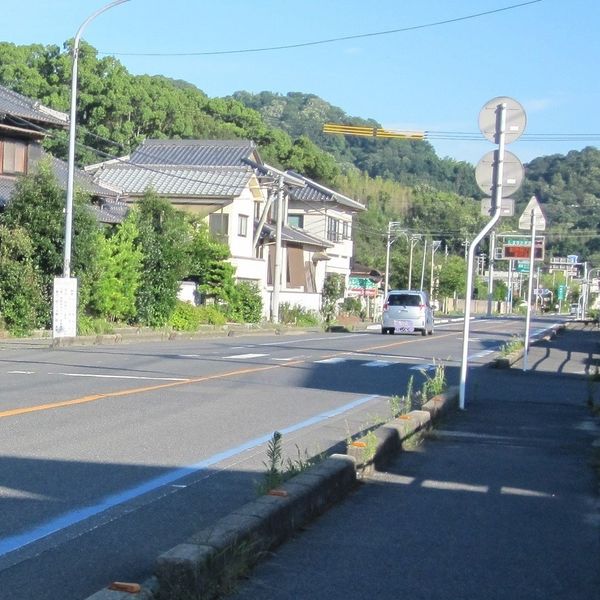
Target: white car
<point x="405" y="311"/>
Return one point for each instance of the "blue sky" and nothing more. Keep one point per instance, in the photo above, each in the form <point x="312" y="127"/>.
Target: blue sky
<point x="544" y="55"/>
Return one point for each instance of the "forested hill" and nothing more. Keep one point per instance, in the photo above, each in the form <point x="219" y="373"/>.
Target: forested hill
<point x="398" y="180"/>
<point x="407" y="162"/>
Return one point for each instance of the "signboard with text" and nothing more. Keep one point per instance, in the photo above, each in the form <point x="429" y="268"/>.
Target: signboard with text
<point x="64" y="312"/>
<point x="519" y="247"/>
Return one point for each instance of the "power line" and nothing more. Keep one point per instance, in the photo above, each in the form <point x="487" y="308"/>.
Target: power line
<point x="327" y="40"/>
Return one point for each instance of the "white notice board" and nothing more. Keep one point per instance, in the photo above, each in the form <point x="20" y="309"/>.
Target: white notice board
<point x="64" y="312"/>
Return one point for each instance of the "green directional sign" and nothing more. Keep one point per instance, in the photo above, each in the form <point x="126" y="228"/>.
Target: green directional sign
<point x="561" y="292"/>
<point x="522" y="266"/>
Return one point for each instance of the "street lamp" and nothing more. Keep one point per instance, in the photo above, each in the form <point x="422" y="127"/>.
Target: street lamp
<point x="414" y="238"/>
<point x="435" y="244"/>
<point x="390" y="241"/>
<point x="72" y="123"/>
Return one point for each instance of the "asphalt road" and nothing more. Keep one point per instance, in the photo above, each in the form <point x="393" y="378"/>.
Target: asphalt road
<point x="110" y="455"/>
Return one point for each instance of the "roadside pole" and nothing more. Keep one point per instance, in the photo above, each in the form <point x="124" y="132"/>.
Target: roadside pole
<point x="529" y="291"/>
<point x="496" y="204"/>
<point x="502" y="120"/>
<point x="533" y="219"/>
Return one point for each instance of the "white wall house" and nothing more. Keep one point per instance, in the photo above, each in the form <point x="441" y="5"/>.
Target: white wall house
<point x="227" y="184"/>
<point x="327" y="214"/>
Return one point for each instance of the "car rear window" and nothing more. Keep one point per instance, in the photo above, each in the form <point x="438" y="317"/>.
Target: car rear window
<point x="404" y="300"/>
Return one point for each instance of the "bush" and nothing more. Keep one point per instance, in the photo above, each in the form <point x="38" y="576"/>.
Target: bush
<point x="185" y="317"/>
<point x="297" y="315"/>
<point x="87" y="325"/>
<point x="245" y="303"/>
<point x="352" y="306"/>
<point x="188" y="317"/>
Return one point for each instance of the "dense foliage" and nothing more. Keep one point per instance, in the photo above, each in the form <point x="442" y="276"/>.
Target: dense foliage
<point x="405" y="161"/>
<point x="131" y="273"/>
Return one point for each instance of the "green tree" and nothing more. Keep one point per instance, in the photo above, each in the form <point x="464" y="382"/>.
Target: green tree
<point x="22" y="305"/>
<point x="208" y="264"/>
<point x="452" y="277"/>
<point x="163" y="239"/>
<point x="333" y="291"/>
<point x="38" y="207"/>
<point x="113" y="292"/>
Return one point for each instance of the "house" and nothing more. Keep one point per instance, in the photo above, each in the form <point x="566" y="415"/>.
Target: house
<point x="227" y="184"/>
<point x="327" y="214"/>
<point x="24" y="123"/>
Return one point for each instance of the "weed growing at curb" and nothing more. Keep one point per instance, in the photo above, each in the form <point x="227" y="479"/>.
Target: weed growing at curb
<point x="280" y="470"/>
<point x="401" y="405"/>
<point x="515" y="344"/>
<point x="436" y="385"/>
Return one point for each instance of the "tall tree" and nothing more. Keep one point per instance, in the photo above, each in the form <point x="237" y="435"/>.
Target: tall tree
<point x="163" y="239"/>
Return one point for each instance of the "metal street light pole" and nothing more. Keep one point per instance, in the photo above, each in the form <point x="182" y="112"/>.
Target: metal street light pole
<point x="390" y="241"/>
<point x="414" y="238"/>
<point x="72" y="125"/>
<point x="434" y="246"/>
<point x="423" y="264"/>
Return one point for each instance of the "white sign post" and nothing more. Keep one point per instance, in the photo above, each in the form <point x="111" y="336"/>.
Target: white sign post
<point x="64" y="313"/>
<point x="532" y="218"/>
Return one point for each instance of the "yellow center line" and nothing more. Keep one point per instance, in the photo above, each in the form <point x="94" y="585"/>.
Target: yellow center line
<point x="152" y="388"/>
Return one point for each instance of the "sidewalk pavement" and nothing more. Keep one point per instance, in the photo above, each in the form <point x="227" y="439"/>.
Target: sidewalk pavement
<point x="500" y="500"/>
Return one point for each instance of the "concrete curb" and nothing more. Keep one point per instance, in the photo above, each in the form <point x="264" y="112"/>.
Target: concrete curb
<point x="505" y="362"/>
<point x="203" y="565"/>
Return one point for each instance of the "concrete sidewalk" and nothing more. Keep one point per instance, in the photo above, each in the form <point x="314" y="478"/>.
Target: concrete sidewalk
<point x="500" y="500"/>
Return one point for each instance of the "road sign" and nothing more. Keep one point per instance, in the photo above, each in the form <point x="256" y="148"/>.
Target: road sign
<point x="522" y="266"/>
<point x="519" y="247"/>
<point x="372" y="132"/>
<point x="507" y="207"/>
<point x="540" y="220"/>
<point x="514" y="115"/>
<point x="561" y="292"/>
<point x="512" y="173"/>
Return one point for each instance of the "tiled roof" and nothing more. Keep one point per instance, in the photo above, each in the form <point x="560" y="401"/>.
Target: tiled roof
<point x="60" y="168"/>
<point x="110" y="212"/>
<point x="80" y="179"/>
<point x="205" y="153"/>
<point x="175" y="180"/>
<point x="13" y="104"/>
<point x="294" y="235"/>
<point x="315" y="192"/>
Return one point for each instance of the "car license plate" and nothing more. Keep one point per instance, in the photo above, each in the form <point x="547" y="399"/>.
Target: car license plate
<point x="403" y="326"/>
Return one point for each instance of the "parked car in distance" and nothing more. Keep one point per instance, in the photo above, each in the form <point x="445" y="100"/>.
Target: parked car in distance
<point x="574" y="309"/>
<point x="405" y="311"/>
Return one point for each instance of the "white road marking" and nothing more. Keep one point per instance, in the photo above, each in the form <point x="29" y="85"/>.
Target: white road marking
<point x="426" y="367"/>
<point x="378" y="363"/>
<point x="285" y="359"/>
<point x="331" y="361"/>
<point x="245" y="356"/>
<point x="100" y="376"/>
<point x="20" y="372"/>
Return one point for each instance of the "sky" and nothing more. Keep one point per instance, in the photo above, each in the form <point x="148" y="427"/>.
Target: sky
<point x="430" y="65"/>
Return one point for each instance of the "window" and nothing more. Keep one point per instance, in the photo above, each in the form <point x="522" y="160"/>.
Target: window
<point x="242" y="225"/>
<point x="333" y="229"/>
<point x="14" y="157"/>
<point x="296" y="221"/>
<point x="346" y="230"/>
<point x="218" y="224"/>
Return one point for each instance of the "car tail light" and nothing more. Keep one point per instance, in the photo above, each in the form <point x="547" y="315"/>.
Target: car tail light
<point x="385" y="306"/>
<point x="421" y="307"/>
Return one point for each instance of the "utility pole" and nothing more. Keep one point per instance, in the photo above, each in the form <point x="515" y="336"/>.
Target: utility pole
<point x="492" y="256"/>
<point x="392" y="225"/>
<point x="434" y="246"/>
<point x="278" y="253"/>
<point x="423" y="264"/>
<point x="414" y="238"/>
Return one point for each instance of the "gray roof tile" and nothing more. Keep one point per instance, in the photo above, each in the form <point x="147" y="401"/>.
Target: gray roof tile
<point x="206" y="153"/>
<point x="184" y="181"/>
<point x="315" y="192"/>
<point x="16" y="105"/>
